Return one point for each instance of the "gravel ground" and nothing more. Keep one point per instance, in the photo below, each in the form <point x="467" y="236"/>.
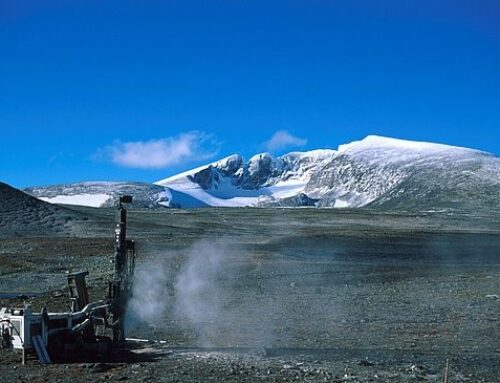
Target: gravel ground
<point x="279" y="295"/>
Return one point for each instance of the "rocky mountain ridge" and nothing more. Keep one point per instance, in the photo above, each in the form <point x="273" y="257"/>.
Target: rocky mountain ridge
<point x="376" y="172"/>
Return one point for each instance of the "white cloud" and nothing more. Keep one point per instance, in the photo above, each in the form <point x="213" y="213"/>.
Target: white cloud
<point x="160" y="153"/>
<point x="283" y="139"/>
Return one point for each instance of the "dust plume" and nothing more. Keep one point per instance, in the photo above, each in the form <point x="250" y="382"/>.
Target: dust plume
<point x="195" y="289"/>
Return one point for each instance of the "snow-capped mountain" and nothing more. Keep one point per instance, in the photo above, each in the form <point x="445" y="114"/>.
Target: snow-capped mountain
<point x="379" y="171"/>
<point x="263" y="180"/>
<point x="374" y="172"/>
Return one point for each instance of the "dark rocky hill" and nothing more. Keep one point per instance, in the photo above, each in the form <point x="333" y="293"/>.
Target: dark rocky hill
<point x="24" y="215"/>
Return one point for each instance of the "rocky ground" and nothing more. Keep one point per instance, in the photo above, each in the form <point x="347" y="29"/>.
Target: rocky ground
<point x="277" y="295"/>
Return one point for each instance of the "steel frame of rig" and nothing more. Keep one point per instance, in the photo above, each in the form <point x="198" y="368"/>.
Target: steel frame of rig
<point x="55" y="336"/>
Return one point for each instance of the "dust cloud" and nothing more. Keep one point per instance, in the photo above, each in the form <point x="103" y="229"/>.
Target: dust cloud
<point x="195" y="288"/>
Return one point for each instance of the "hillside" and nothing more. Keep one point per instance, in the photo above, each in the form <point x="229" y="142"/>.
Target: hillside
<point x="22" y="214"/>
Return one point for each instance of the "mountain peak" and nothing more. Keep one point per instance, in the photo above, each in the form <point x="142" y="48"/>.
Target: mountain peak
<point x="260" y="156"/>
<point x="376" y="142"/>
<point x="229" y="164"/>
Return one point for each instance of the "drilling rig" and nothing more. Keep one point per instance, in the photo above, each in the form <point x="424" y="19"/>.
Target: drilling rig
<point x="120" y="287"/>
<point x="54" y="336"/>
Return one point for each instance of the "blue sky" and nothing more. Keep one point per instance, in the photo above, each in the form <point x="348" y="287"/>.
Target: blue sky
<point x="139" y="90"/>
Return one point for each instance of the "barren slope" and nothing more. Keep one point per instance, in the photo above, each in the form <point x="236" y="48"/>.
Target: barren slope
<point x="24" y="215"/>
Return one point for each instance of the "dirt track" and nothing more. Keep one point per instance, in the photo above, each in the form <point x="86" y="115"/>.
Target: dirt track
<point x="303" y="295"/>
